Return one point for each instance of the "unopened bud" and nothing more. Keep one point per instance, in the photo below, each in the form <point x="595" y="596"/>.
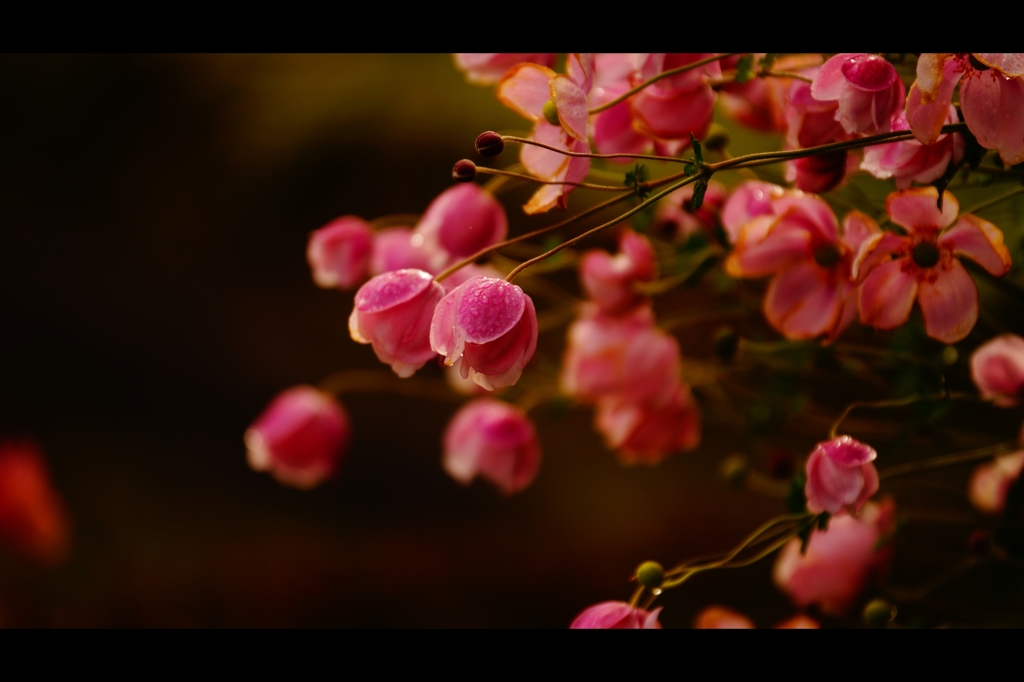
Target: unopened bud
<point x="726" y="342"/>
<point x="949" y="355"/>
<point x="550" y="112"/>
<point x="717" y="138"/>
<point x="650" y="574"/>
<point x="980" y="542"/>
<point x="464" y="171"/>
<point x="735" y="469"/>
<point x="878" y="613"/>
<point x="489" y="144"/>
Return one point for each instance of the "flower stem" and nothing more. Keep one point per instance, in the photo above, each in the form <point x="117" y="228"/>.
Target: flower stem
<point x="987" y="452"/>
<point x="896" y="402"/>
<point x="530" y="178"/>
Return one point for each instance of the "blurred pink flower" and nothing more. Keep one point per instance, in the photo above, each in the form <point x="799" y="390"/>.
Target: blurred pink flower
<point x="299" y="438"/>
<point x="721" y="618"/>
<point x="799" y="243"/>
<point x="679" y="222"/>
<point x="494" y="440"/>
<point x="646" y="433"/>
<point x="339" y="253"/>
<point x="461" y="221"/>
<point x="991" y="99"/>
<point x="33" y="520"/>
<point x="925" y="265"/>
<point x="840" y="476"/>
<point x="800" y="621"/>
<point x="760" y="103"/>
<point x="910" y="161"/>
<point x="397" y="248"/>
<point x="867" y="89"/>
<point x="673" y="108"/>
<point x="489" y="327"/>
<point x="991" y="482"/>
<point x="487" y="68"/>
<point x="608" y="280"/>
<point x="749" y="200"/>
<point x="839" y="561"/>
<point x="997" y="368"/>
<point x="811" y="123"/>
<point x="393" y="312"/>
<point x="616" y="615"/>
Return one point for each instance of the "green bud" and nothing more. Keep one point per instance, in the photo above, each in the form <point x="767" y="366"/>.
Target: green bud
<point x="551" y="113"/>
<point x="949" y="355"/>
<point x="735" y="469"/>
<point x="879" y="613"/>
<point x="650" y="574"/>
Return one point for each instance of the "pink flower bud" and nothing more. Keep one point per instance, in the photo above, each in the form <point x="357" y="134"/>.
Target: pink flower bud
<point x="840" y="476"/>
<point x="392" y="311"/>
<point x="616" y="615"/>
<point x="489" y="144"/>
<point x="489" y="326"/>
<point x="340" y="252"/>
<point x="33" y="521"/>
<point x="494" y="440"/>
<point x="867" y="88"/>
<point x="839" y="561"/>
<point x="721" y="618"/>
<point x="299" y="438"/>
<point x="398" y="248"/>
<point x="608" y="280"/>
<point x="626" y="356"/>
<point x="997" y="368"/>
<point x="461" y="221"/>
<point x="464" y="171"/>
<point x="991" y="482"/>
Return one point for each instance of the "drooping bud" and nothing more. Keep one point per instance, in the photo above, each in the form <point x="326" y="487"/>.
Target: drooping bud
<point x="464" y="171"/>
<point x="650" y="574"/>
<point x="489" y="144"/>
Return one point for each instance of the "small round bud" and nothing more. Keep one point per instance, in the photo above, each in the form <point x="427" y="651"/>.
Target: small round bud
<point x="650" y="574"/>
<point x="879" y="613"/>
<point x="980" y="542"/>
<point x="489" y="144"/>
<point x="717" y="138"/>
<point x="726" y="342"/>
<point x="949" y="355"/>
<point x="735" y="469"/>
<point x="550" y="112"/>
<point x="464" y="171"/>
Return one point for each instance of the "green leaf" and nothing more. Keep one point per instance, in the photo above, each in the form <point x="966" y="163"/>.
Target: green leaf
<point x="796" y="502"/>
<point x="745" y="69"/>
<point x="768" y="60"/>
<point x="699" y="188"/>
<point x="698" y="153"/>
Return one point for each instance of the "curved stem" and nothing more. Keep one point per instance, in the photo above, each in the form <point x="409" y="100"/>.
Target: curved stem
<point x="522" y="176"/>
<point x="523" y="237"/>
<point x="566" y="244"/>
<point x="896" y="402"/>
<point x="987" y="452"/>
<point x="588" y="155"/>
<point x="650" y="81"/>
<point x="991" y="202"/>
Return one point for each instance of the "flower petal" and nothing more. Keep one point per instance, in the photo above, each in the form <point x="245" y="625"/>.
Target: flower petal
<point x="571" y="103"/>
<point x="949" y="304"/>
<point x="525" y="89"/>
<point x="830" y="81"/>
<point x="784" y="244"/>
<point x="1011" y="64"/>
<point x="992" y="107"/>
<point x="804" y="301"/>
<point x="931" y="95"/>
<point x="877" y="249"/>
<point x="979" y="240"/>
<point x="887" y="295"/>
<point x="916" y="209"/>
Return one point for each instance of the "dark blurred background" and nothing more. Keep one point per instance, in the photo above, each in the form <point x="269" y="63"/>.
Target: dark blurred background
<point x="155" y="212"/>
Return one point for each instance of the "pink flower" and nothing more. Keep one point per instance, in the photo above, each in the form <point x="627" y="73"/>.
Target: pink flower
<point x="997" y="368"/>
<point x="527" y="89"/>
<point x="494" y="440"/>
<point x="674" y="107"/>
<point x="646" y="433"/>
<point x="800" y="621"/>
<point x="679" y="222"/>
<point x="925" y="265"/>
<point x="300" y="437"/>
<point x="760" y="103"/>
<point x="398" y="248"/>
<point x="840" y="476"/>
<point x="33" y="520"/>
<point x="608" y="280"/>
<point x="340" y="252"/>
<point x="867" y="88"/>
<point x="991" y="98"/>
<point x="747" y="201"/>
<point x="839" y="561"/>
<point x="461" y="221"/>
<point x="799" y="243"/>
<point x="626" y="356"/>
<point x="991" y="482"/>
<point x="489" y="327"/>
<point x="721" y="618"/>
<point x="393" y="311"/>
<point x="910" y="161"/>
<point x="811" y="123"/>
<point x="616" y="615"/>
<point x="488" y="68"/>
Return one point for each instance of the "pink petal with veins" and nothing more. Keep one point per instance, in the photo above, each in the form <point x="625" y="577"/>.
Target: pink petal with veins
<point x="830" y="81"/>
<point x="572" y="106"/>
<point x="751" y="199"/>
<point x="673" y="115"/>
<point x="949" y="304"/>
<point x="979" y="240"/>
<point x="875" y="250"/>
<point x="887" y="295"/>
<point x="857" y="229"/>
<point x="525" y="89"/>
<point x="931" y="95"/>
<point x="805" y="301"/>
<point x="1010" y="64"/>
<point x="993" y="107"/>
<point x="869" y="72"/>
<point x="916" y="209"/>
<point x="544" y="163"/>
<point x="580" y="68"/>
